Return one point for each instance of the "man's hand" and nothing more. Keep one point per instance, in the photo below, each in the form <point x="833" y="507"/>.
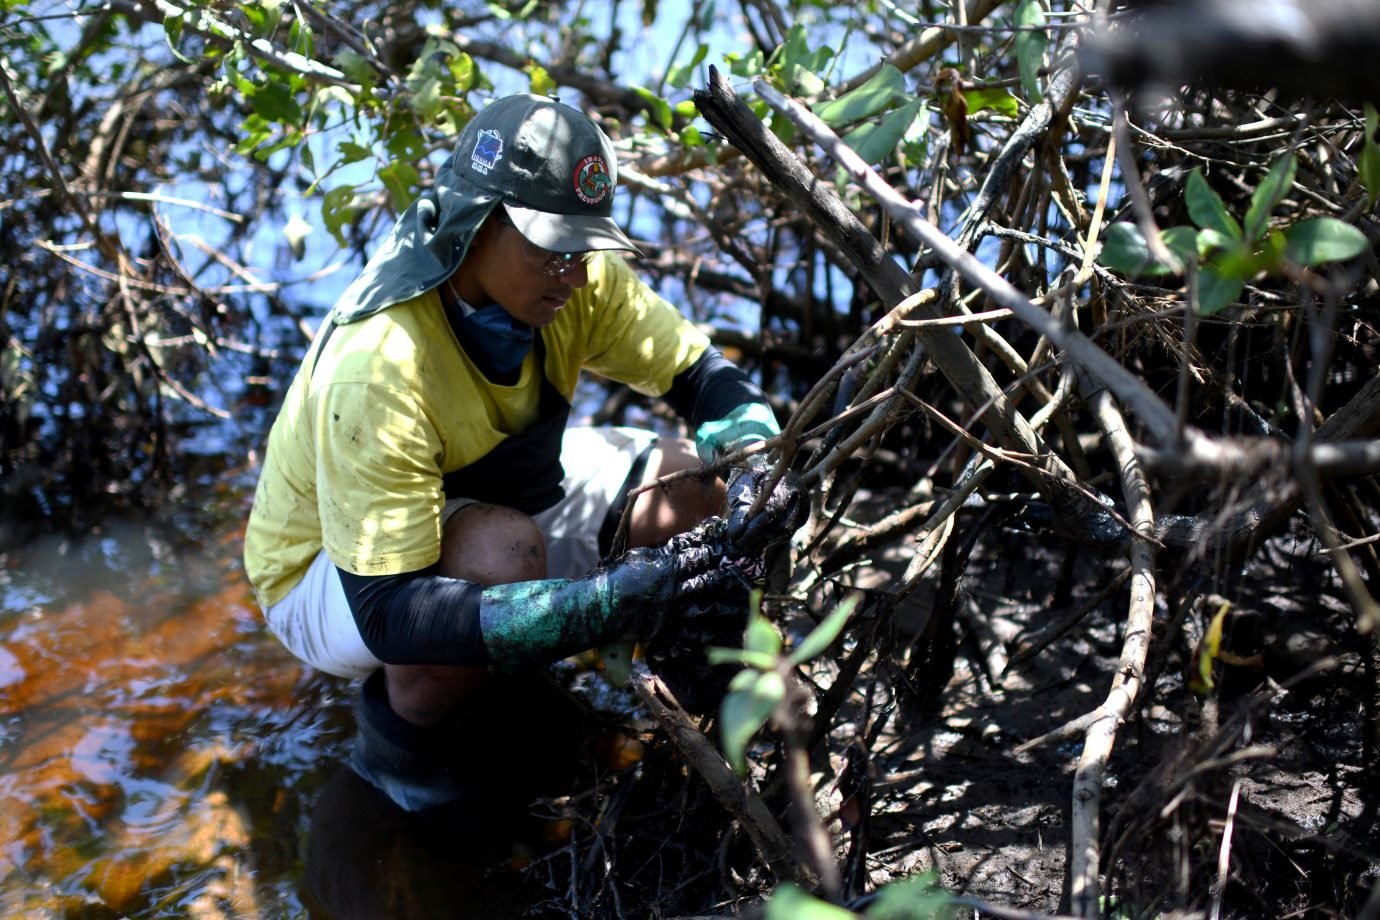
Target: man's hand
<point x="687" y="578"/>
<point x="781" y="514"/>
<point x="635" y="596"/>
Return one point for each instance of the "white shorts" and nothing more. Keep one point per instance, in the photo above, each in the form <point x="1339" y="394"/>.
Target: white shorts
<point x="314" y="621"/>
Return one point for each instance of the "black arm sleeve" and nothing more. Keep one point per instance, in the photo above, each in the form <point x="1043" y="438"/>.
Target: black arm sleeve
<point x="417" y="617"/>
<point x="711" y="388"/>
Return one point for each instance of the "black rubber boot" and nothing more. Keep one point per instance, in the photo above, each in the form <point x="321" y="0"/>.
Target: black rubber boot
<point x="418" y="768"/>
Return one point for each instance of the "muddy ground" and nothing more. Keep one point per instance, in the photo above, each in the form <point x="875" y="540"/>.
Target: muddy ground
<point x="1273" y="750"/>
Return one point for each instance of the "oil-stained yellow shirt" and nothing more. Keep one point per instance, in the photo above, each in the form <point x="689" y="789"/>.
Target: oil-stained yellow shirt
<point x="368" y="430"/>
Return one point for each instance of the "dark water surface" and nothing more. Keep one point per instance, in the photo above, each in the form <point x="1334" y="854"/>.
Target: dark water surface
<point x="162" y="756"/>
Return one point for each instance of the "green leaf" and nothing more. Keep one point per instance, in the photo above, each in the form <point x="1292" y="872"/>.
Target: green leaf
<point x="1210" y="240"/>
<point x="1269" y="256"/>
<point x="274" y="101"/>
<point x="717" y="654"/>
<point x="401" y="179"/>
<point x="789" y="902"/>
<point x="463" y="72"/>
<point x="745" y="711"/>
<point x="1200" y="675"/>
<point x="823" y="635"/>
<point x="426" y="98"/>
<point x="1217" y="290"/>
<point x="680" y="75"/>
<point x="539" y="82"/>
<point x="301" y="39"/>
<point x="658" y="108"/>
<point x="996" y="98"/>
<point x="1183" y="242"/>
<point x="1268" y="195"/>
<point x="748" y="65"/>
<point x="338" y="208"/>
<point x="918" y="897"/>
<point x="355" y="67"/>
<point x="1368" y="160"/>
<point x="1125" y="250"/>
<point x="172" y="28"/>
<point x="1206" y="209"/>
<point x="761" y="636"/>
<point x="799" y="65"/>
<point x="869" y="99"/>
<point x="707" y="14"/>
<point x="255" y="132"/>
<point x="1030" y="46"/>
<point x="875" y="142"/>
<point x="263" y="17"/>
<point x="406" y="144"/>
<point x="802" y="81"/>
<point x="1321" y="240"/>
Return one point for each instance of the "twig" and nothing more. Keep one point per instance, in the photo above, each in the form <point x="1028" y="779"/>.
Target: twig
<point x="1365" y="606"/>
<point x="775" y="848"/>
<point x="922" y="47"/>
<point x="810" y="832"/>
<point x="1085" y="850"/>
<point x="1224" y="853"/>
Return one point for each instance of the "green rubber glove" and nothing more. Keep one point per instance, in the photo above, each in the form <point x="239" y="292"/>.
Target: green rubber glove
<point x="633" y="597"/>
<point x="747" y="424"/>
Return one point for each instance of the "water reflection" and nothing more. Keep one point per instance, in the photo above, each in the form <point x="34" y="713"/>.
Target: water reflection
<point x="367" y="859"/>
<point x="162" y="756"/>
<point x="158" y="752"/>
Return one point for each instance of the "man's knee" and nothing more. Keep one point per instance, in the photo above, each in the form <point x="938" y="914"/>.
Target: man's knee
<point x="492" y="545"/>
<point x="675" y="507"/>
<point x="487" y="545"/>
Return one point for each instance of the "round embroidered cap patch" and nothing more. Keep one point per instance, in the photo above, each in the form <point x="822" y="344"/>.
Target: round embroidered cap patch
<point x="592" y="181"/>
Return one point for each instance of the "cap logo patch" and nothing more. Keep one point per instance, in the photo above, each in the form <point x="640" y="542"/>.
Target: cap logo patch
<point x="592" y="180"/>
<point x="488" y="150"/>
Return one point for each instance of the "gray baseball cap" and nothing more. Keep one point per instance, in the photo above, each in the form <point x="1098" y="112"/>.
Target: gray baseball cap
<point x="551" y="168"/>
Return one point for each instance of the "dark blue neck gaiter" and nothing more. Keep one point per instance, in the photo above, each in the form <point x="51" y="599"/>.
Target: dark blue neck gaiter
<point x="494" y="339"/>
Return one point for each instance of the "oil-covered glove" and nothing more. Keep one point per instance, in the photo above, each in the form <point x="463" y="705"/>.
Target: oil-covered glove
<point x="635" y="596"/>
<point x="781" y="515"/>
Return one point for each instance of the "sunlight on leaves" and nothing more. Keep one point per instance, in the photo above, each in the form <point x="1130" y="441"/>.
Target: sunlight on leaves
<point x="1268" y="195"/>
<point x="885" y="86"/>
<point x="996" y="98"/>
<point x="752" y="697"/>
<point x="826" y="632"/>
<point x="658" y="109"/>
<point x="1200" y="678"/>
<point x="875" y="142"/>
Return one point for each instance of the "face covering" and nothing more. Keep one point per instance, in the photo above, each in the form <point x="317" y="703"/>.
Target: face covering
<point x="501" y="341"/>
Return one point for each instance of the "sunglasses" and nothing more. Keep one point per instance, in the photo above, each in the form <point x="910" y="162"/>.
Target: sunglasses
<point x="549" y="263"/>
